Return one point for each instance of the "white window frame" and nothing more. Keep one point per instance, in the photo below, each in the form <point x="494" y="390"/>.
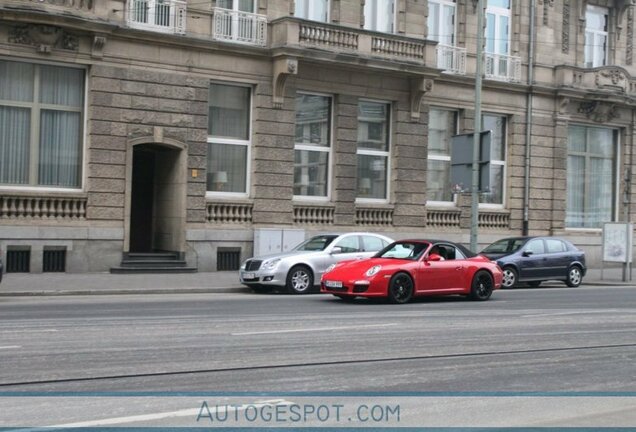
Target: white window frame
<point x="617" y="178"/>
<point x="235" y="7"/>
<point x="453" y="202"/>
<point x="374" y="6"/>
<point x="438" y="18"/>
<point x="387" y="154"/>
<point x="82" y="139"/>
<point x="504" y="171"/>
<point x="310" y="147"/>
<point x="233" y="141"/>
<point x="499" y="12"/>
<point x="596" y="10"/>
<point x="307" y="4"/>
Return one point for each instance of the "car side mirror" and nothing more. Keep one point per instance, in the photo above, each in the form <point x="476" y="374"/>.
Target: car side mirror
<point x="527" y="253"/>
<point x="336" y="250"/>
<point x="434" y="257"/>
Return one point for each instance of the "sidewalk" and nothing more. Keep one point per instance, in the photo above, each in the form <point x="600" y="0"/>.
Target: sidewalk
<point x="32" y="284"/>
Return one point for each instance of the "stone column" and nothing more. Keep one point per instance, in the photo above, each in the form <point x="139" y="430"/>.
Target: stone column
<point x="345" y="161"/>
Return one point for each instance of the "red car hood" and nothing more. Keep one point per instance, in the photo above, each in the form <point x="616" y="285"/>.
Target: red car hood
<point x="357" y="268"/>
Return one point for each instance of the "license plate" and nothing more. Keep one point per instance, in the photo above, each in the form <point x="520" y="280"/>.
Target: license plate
<point x="333" y="284"/>
<point x="249" y="275"/>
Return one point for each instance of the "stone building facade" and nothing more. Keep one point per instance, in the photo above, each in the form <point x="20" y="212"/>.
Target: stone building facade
<point x="217" y="129"/>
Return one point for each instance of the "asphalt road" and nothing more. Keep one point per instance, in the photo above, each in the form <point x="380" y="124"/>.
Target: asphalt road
<point x="523" y="340"/>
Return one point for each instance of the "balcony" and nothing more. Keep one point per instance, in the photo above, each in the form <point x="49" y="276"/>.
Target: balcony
<point x="500" y="67"/>
<point x="451" y="59"/>
<point x="239" y="27"/>
<point x="166" y="16"/>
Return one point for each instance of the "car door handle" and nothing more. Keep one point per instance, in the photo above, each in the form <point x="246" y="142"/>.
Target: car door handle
<point x="459" y="268"/>
<point x="360" y="257"/>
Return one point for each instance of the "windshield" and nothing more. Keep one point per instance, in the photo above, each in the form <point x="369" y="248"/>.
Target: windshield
<point x="403" y="250"/>
<point x="318" y="243"/>
<point x="505" y="246"/>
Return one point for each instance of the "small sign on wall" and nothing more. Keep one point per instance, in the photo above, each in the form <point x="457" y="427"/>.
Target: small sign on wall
<point x="617" y="242"/>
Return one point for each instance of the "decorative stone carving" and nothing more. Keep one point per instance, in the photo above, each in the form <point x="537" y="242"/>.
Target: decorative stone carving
<point x="419" y="87"/>
<point x="547" y="4"/>
<point x="99" y="42"/>
<point x="564" y="105"/>
<point x="43" y="37"/>
<point x="565" y="31"/>
<point x="283" y="68"/>
<point x="600" y="112"/>
<point x="77" y="4"/>
<point x="630" y="36"/>
<point x="611" y="78"/>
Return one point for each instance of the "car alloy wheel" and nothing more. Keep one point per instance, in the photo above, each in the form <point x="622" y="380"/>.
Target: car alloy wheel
<point x="482" y="286"/>
<point x="300" y="280"/>
<point x="400" y="288"/>
<point x="509" y="277"/>
<point x="574" y="277"/>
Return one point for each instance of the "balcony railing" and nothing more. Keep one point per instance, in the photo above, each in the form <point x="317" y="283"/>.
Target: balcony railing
<point x="84" y="5"/>
<point x="500" y="67"/>
<point x="451" y="59"/>
<point x="239" y="27"/>
<point x="167" y="16"/>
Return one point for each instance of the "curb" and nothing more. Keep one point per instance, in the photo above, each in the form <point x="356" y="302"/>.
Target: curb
<point x="225" y="290"/>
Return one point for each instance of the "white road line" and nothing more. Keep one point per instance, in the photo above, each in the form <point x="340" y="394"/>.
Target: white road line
<point x="313" y="329"/>
<point x="30" y="331"/>
<point x="10" y="347"/>
<point x="194" y="412"/>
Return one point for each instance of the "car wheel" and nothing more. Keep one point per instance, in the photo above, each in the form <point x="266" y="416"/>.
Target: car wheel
<point x="400" y="288"/>
<point x="482" y="286"/>
<point x="300" y="280"/>
<point x="534" y="284"/>
<point x="346" y="298"/>
<point x="509" y="277"/>
<point x="574" y="277"/>
<point x="261" y="289"/>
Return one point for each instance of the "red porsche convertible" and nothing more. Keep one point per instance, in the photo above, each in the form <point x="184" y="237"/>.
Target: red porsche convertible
<point x="409" y="268"/>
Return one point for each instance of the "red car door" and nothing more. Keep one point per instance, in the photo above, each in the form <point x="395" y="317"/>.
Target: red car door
<point x="444" y="275"/>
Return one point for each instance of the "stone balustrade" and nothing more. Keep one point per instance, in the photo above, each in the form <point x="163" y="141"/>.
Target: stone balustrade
<point x="328" y="36"/>
<point x="313" y="214"/>
<point x="443" y="218"/>
<point x="85" y="5"/>
<point x="42" y="207"/>
<point x="232" y="213"/>
<point x="374" y="217"/>
<point x="494" y="220"/>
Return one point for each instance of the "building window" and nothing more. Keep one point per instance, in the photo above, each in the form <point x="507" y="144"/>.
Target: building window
<point x="153" y="12"/>
<point x="379" y="16"/>
<point x="237" y="5"/>
<point x="228" y="138"/>
<point x="41" y="118"/>
<point x="373" y="150"/>
<point x="442" y="125"/>
<point x="596" y="21"/>
<point x="314" y="10"/>
<point x="441" y="21"/>
<point x="497" y="39"/>
<point x="591" y="176"/>
<point x="496" y="124"/>
<point x="312" y="145"/>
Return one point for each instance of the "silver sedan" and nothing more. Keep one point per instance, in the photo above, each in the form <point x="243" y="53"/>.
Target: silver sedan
<point x="301" y="268"/>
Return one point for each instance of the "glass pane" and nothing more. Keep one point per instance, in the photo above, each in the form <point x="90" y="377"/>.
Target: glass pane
<point x="499" y="3"/>
<point x="596" y="18"/>
<point x="575" y="192"/>
<point x="229" y="111"/>
<point x="600" y="48"/>
<point x="61" y="86"/>
<point x="310" y="173"/>
<point x="227" y="168"/>
<point x="372" y="176"/>
<point x="60" y="150"/>
<point x="312" y="120"/>
<point x="225" y="4"/>
<point x="438" y="181"/>
<point x="372" y="243"/>
<point x="535" y="246"/>
<point x="490" y="33"/>
<point x="576" y="139"/>
<point x="497" y="124"/>
<point x="433" y="21"/>
<point x="373" y="126"/>
<point x="15" y="127"/>
<point x="441" y="127"/>
<point x="246" y="6"/>
<point x="502" y="47"/>
<point x="16" y="81"/>
<point x="349" y="244"/>
<point x="378" y="15"/>
<point x="600" y="141"/>
<point x="599" y="204"/>
<point x="495" y="195"/>
<point x="315" y="10"/>
<point x="447" y="30"/>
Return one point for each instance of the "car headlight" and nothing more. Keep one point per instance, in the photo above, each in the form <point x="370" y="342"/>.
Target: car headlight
<point x="244" y="265"/>
<point x="270" y="265"/>
<point x="373" y="270"/>
<point x="331" y="267"/>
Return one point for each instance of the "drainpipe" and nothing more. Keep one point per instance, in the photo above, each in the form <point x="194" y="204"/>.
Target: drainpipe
<point x="526" y="191"/>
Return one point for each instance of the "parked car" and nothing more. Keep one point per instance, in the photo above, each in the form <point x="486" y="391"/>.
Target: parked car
<point x="537" y="259"/>
<point x="409" y="268"/>
<point x="301" y="268"/>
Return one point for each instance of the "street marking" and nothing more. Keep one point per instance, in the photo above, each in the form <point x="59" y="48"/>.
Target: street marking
<point x="156" y="416"/>
<point x="29" y="330"/>
<point x="313" y="329"/>
<point x="571" y="313"/>
<point x="10" y="347"/>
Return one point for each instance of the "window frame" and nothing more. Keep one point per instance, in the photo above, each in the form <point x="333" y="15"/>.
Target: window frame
<point x="34" y="140"/>
<point x="440" y="21"/>
<point x="371" y="152"/>
<point x="604" y="11"/>
<point x="309" y="147"/>
<point x="308" y="2"/>
<point x="453" y="201"/>
<point x="235" y="7"/>
<point x="233" y="141"/>
<point x="498" y="12"/>
<point x="499" y="162"/>
<point x="393" y="20"/>
<point x="615" y="182"/>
